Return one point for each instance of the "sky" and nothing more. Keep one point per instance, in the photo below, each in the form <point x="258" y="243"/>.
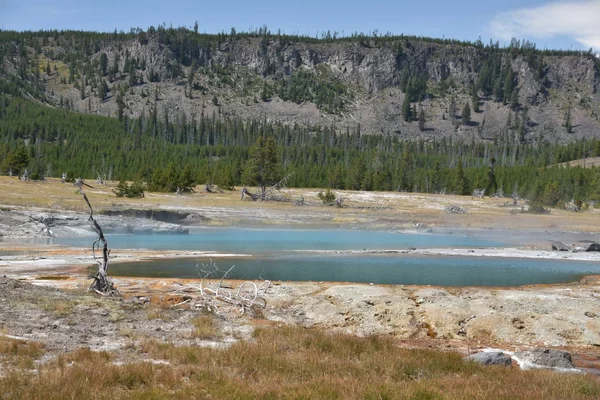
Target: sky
<point x="562" y="24"/>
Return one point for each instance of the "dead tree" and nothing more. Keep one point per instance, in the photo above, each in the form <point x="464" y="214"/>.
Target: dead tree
<point x="210" y="188"/>
<point x="64" y="177"/>
<point x="101" y="285"/>
<point x="479" y="193"/>
<point x="515" y="197"/>
<point x="80" y="183"/>
<point x="25" y="176"/>
<point x="246" y="297"/>
<point x="573" y="205"/>
<point x="277" y="186"/>
<point x="267" y="194"/>
<point x="246" y="193"/>
<point x="499" y="193"/>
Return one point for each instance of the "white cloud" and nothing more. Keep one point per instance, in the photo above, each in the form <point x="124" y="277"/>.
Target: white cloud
<point x="579" y="20"/>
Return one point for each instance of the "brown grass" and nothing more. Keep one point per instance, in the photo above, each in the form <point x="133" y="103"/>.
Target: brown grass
<point x="53" y="278"/>
<point x="60" y="308"/>
<point x="291" y="363"/>
<point x="19" y="354"/>
<point x="205" y="327"/>
<point x="393" y="209"/>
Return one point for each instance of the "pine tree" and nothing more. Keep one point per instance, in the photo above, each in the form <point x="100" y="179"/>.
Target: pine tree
<point x="406" y="111"/>
<point x="406" y="171"/>
<point x="102" y="90"/>
<point x="466" y="114"/>
<point x="568" y="124"/>
<point x="522" y="125"/>
<point x="421" y="119"/>
<point x="263" y="167"/>
<point x="452" y="110"/>
<point x="82" y="90"/>
<point x="103" y="64"/>
<point x="492" y="186"/>
<point x="508" y="86"/>
<point x="190" y="79"/>
<point x="120" y="106"/>
<point x="475" y="98"/>
<point x="185" y="181"/>
<point x="436" y="177"/>
<point x="514" y="99"/>
<point x="16" y="161"/>
<point x="462" y="185"/>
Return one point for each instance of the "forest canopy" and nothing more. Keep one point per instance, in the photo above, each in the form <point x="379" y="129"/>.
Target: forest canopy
<point x="166" y="154"/>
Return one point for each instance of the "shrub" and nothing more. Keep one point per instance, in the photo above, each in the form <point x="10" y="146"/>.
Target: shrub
<point x="135" y="189"/>
<point x="328" y="197"/>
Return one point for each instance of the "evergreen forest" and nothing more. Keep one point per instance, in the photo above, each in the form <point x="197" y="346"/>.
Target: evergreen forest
<point x="166" y="154"/>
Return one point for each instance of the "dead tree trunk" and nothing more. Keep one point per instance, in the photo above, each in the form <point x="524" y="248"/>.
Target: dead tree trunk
<point x="266" y="194"/>
<point x="80" y="183"/>
<point x="101" y="285"/>
<point x="245" y="193"/>
<point x="276" y="186"/>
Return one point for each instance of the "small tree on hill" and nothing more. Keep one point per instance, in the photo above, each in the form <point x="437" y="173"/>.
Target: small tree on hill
<point x="421" y="119"/>
<point x="475" y="99"/>
<point x="406" y="110"/>
<point x="466" y="114"/>
<point x="568" y="123"/>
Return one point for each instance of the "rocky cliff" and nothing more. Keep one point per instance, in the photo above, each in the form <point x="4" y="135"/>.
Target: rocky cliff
<point x="514" y="92"/>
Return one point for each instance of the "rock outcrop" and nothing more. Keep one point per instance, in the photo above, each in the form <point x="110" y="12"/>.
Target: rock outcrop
<point x="16" y="223"/>
<point x="490" y="358"/>
<point x="544" y="358"/>
<point x="559" y="246"/>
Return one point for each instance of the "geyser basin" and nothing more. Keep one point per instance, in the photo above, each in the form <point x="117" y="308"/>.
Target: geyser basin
<point x="312" y="255"/>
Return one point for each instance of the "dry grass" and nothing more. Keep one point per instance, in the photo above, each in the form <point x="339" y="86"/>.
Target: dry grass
<point x="60" y="308"/>
<point x="391" y="208"/>
<point x="291" y="363"/>
<point x="205" y="327"/>
<point x="19" y="354"/>
<point x="157" y="311"/>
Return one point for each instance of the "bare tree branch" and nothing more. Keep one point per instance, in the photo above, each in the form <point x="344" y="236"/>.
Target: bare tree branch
<point x="101" y="285"/>
<point x="247" y="296"/>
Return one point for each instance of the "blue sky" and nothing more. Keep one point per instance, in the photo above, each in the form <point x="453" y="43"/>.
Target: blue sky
<point x="550" y="24"/>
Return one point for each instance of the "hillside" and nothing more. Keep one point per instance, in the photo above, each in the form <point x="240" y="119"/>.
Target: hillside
<point x="403" y="86"/>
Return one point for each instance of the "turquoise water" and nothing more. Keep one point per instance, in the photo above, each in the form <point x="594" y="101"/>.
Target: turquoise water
<point x="285" y="254"/>
<point x="259" y="241"/>
<point x="382" y="269"/>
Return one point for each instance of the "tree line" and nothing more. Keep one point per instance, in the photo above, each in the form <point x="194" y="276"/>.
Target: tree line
<point x="168" y="153"/>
